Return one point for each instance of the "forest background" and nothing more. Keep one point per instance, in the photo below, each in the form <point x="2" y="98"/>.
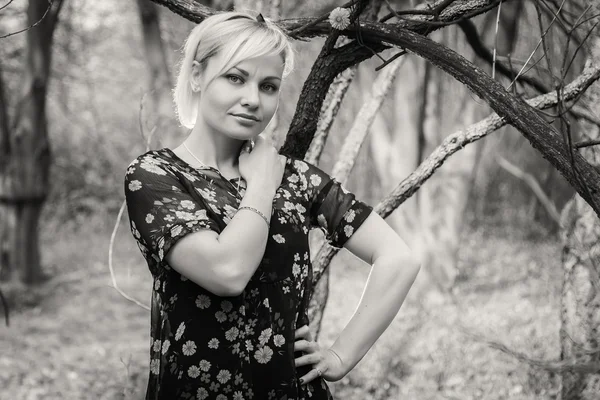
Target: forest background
<point x="484" y="318"/>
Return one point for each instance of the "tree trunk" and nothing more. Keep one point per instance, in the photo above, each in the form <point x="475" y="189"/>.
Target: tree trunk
<point x="580" y="311"/>
<point x="159" y="117"/>
<point x="25" y="155"/>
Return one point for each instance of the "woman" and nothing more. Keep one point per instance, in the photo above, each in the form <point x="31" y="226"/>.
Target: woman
<point x="223" y="225"/>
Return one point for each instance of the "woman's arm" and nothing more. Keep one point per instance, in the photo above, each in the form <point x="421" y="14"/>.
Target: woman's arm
<point x="394" y="269"/>
<point x="224" y="263"/>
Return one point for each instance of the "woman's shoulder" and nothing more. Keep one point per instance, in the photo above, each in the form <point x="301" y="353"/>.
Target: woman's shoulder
<point x="301" y="166"/>
<point x="159" y="156"/>
<point x="157" y="162"/>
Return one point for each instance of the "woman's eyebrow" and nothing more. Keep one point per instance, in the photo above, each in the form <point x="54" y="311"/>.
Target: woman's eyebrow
<point x="246" y="73"/>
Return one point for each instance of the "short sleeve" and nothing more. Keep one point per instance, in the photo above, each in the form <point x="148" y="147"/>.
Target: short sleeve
<point x="333" y="209"/>
<point x="161" y="210"/>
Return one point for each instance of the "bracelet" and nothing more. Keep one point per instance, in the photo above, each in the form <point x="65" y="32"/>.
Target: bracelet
<point x="257" y="212"/>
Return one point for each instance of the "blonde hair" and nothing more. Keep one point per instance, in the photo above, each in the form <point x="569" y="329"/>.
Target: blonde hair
<point x="232" y="37"/>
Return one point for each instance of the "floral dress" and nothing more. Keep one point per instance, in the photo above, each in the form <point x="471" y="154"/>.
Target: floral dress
<point x="231" y="348"/>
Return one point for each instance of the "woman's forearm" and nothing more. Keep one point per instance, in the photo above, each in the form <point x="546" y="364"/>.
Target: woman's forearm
<point x="386" y="288"/>
<point x="244" y="239"/>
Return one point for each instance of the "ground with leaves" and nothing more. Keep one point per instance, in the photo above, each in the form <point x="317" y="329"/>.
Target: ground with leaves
<point x="76" y="338"/>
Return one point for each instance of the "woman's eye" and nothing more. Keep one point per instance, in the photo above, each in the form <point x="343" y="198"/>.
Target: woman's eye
<point x="268" y="87"/>
<point x="234" y="79"/>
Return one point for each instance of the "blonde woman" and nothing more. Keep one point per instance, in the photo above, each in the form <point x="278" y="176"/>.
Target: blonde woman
<point x="223" y="221"/>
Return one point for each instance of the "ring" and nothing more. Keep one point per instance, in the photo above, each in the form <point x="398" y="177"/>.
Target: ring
<point x="319" y="372"/>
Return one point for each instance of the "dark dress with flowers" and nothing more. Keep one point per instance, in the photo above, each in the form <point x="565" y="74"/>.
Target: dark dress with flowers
<point x="210" y="347"/>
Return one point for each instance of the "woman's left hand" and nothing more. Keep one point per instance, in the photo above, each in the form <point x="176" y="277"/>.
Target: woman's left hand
<point x="325" y="362"/>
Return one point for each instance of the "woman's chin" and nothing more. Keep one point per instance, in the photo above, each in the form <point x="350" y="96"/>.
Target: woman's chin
<point x="243" y="134"/>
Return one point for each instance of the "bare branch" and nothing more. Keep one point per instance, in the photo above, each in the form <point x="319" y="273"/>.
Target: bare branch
<point x="4" y="122"/>
<point x="36" y="23"/>
<point x="148" y="139"/>
<point x="362" y="122"/>
<point x="543" y="137"/>
<point x="587" y="143"/>
<point x="6" y="5"/>
<point x="584" y="114"/>
<point x="481" y="51"/>
<point x="456" y="141"/>
<point x="533" y="185"/>
<point x="329" y="110"/>
<point x="110" y="261"/>
<point x="548" y="365"/>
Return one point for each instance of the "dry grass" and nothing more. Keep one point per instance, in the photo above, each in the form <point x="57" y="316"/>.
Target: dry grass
<point x="76" y="338"/>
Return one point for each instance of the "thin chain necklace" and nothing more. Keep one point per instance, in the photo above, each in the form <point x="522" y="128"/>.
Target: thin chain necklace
<point x="237" y="189"/>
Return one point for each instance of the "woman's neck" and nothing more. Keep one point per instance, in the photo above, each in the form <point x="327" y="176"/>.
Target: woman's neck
<point x="214" y="149"/>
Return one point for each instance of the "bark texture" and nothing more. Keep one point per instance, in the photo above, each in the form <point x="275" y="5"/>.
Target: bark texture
<point x="580" y="311"/>
<point x="25" y="154"/>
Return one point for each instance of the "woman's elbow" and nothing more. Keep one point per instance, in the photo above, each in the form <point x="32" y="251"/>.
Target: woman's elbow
<point x="232" y="282"/>
<point x="414" y="263"/>
<point x="407" y="265"/>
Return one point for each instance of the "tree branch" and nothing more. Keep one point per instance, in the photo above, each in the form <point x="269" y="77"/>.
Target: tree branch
<point x="470" y="31"/>
<point x="543" y="137"/>
<point x="455" y="142"/>
<point x="331" y="61"/>
<point x="533" y="184"/>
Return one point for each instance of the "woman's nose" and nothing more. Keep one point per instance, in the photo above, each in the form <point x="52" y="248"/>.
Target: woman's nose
<point x="250" y="96"/>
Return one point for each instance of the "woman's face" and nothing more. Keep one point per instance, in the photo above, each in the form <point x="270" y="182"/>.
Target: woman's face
<point x="240" y="102"/>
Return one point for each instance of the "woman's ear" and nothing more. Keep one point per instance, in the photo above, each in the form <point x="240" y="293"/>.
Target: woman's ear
<point x="196" y="76"/>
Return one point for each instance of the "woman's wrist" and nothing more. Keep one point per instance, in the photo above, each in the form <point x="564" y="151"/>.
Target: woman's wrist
<point x="258" y="212"/>
<point x="260" y="192"/>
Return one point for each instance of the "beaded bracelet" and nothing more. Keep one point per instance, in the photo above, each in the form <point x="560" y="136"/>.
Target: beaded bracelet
<point x="257" y="212"/>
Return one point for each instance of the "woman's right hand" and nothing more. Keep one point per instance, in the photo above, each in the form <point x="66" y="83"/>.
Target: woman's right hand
<point x="263" y="167"/>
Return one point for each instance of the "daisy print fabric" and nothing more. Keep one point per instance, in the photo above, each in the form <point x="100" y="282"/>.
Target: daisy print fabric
<point x="205" y="346"/>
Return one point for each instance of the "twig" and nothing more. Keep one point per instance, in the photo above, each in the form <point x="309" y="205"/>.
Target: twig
<point x="586" y="143"/>
<point x="113" y="277"/>
<point x="36" y="23"/>
<point x="5" y="306"/>
<point x="6" y="5"/>
<point x="496" y="40"/>
<point x="553" y="366"/>
<point x="533" y="185"/>
<point x="110" y="263"/>
<point x="390" y="60"/>
<point x="480" y="49"/>
<point x="454" y="143"/>
<point x="535" y="49"/>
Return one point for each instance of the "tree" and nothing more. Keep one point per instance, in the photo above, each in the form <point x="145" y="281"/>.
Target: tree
<point x="25" y="151"/>
<point x="408" y="31"/>
<point x="159" y="77"/>
<point x="580" y="311"/>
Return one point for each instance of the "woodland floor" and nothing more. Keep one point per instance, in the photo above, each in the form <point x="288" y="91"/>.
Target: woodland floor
<point x="75" y="337"/>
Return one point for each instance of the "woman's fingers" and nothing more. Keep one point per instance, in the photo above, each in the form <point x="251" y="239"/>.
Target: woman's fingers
<point x="316" y="372"/>
<point x="306" y="346"/>
<point x="303" y="333"/>
<point x="308" y="359"/>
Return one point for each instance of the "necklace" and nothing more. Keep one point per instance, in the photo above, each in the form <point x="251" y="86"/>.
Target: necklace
<point x="237" y="189"/>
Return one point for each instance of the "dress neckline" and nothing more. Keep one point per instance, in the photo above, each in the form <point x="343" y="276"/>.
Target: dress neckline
<point x="172" y="154"/>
